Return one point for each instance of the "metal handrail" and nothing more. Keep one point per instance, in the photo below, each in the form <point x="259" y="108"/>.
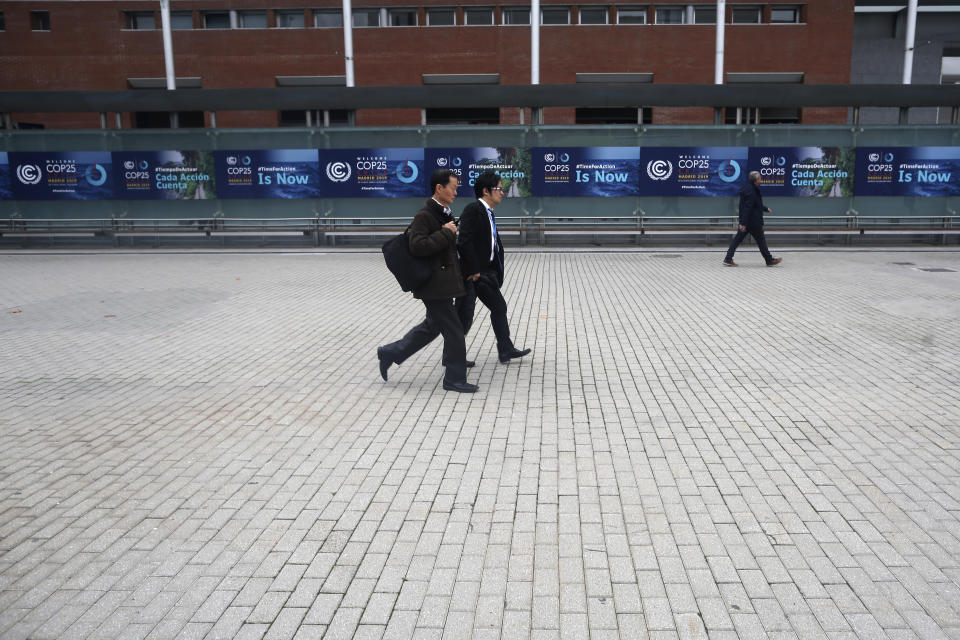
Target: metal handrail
<point x="109" y="226"/>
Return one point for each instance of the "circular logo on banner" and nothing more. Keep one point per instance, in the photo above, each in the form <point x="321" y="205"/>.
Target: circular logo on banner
<point x="28" y="173"/>
<point x="338" y="171"/>
<point x="782" y="160"/>
<point x="729" y="170"/>
<point x="129" y="165"/>
<point x="96" y="175"/>
<point x="144" y="164"/>
<point x="231" y="160"/>
<point x="659" y="169"/>
<point x="549" y="157"/>
<point x="246" y="161"/>
<point x="457" y="162"/>
<point x="766" y="161"/>
<point x="874" y="157"/>
<point x="564" y="157"/>
<point x="888" y="157"/>
<point x="441" y="162"/>
<point x="407" y="172"/>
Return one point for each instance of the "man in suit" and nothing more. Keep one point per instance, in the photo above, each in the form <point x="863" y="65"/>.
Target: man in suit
<point x="481" y="259"/>
<point x="751" y="221"/>
<point x="433" y="234"/>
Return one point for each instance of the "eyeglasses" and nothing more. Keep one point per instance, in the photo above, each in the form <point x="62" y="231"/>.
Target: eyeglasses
<point x="497" y="189"/>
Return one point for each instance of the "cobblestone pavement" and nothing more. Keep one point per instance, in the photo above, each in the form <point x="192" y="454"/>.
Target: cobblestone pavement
<point x="199" y="445"/>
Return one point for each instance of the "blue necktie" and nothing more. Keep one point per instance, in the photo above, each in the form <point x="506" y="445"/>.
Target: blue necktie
<point x="496" y="236"/>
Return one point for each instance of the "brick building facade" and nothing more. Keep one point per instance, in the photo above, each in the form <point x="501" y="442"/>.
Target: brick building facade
<point x="117" y="45"/>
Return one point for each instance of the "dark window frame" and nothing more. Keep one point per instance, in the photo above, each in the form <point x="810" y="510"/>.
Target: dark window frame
<point x="441" y="10"/>
<point x="40" y="21"/>
<point x="488" y="11"/>
<point x="328" y="12"/>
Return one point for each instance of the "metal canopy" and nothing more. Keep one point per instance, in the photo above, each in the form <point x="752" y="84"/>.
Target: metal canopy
<point x="472" y="96"/>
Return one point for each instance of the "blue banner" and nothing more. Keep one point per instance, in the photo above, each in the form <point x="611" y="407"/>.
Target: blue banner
<point x="512" y="164"/>
<point x="586" y="171"/>
<point x="165" y="175"/>
<point x="378" y="173"/>
<point x="61" y="175"/>
<point x="5" y="191"/>
<point x="804" y="171"/>
<point x="273" y="173"/>
<point x="908" y="171"/>
<point x="692" y="171"/>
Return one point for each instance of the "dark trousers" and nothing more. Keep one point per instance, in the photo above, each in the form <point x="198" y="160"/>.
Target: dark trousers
<point x="487" y="290"/>
<point x="761" y="240"/>
<point x="442" y="320"/>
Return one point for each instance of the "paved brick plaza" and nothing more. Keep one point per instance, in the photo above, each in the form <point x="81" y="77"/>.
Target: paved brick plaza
<point x="199" y="445"/>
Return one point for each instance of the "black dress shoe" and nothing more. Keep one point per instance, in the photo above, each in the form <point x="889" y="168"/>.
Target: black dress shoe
<point x="384" y="363"/>
<point x="729" y="262"/>
<point x="460" y="387"/>
<point x="471" y="363"/>
<point x="513" y="353"/>
<point x="774" y="262"/>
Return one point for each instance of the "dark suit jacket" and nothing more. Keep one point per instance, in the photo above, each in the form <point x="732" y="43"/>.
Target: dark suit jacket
<point x="428" y="239"/>
<point x="473" y="243"/>
<point x="751" y="206"/>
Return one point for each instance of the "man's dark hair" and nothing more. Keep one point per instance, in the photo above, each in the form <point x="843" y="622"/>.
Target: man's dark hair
<point x="487" y="180"/>
<point x="440" y="177"/>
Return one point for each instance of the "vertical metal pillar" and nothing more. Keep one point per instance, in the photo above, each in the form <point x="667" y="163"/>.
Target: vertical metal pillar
<point x="535" y="42"/>
<point x="348" y="41"/>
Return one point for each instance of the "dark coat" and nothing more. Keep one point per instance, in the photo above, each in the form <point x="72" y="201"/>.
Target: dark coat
<point x="751" y="206"/>
<point x="474" y="243"/>
<point x="428" y="238"/>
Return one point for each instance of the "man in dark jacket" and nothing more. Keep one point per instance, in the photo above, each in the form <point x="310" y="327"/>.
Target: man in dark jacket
<point x="751" y="221"/>
<point x="433" y="234"/>
<point x="481" y="259"/>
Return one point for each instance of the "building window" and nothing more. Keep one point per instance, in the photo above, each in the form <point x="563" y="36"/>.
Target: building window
<point x="784" y="15"/>
<point x="631" y="15"/>
<point x="216" y="20"/>
<point x="614" y="115"/>
<point x="330" y="19"/>
<point x="402" y="17"/>
<point x="555" y="15"/>
<point x="481" y="115"/>
<point x="671" y="15"/>
<point x="516" y="15"/>
<point x="317" y="118"/>
<point x="252" y="19"/>
<point x="705" y="14"/>
<point x="441" y="16"/>
<point x="746" y="14"/>
<point x="181" y="20"/>
<point x="3" y="24"/>
<point x="478" y="15"/>
<point x="161" y="120"/>
<point x="140" y="20"/>
<point x="593" y="15"/>
<point x="289" y="19"/>
<point x="767" y="115"/>
<point x="40" y="20"/>
<point x="366" y="18"/>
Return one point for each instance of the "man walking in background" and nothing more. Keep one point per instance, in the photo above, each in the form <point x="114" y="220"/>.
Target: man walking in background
<point x="433" y="234"/>
<point x="751" y="221"/>
<point x="481" y="257"/>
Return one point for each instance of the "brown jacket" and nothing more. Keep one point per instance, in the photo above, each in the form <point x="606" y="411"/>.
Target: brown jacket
<point x="428" y="238"/>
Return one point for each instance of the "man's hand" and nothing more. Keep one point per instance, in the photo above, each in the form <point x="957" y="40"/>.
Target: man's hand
<point x="474" y="277"/>
<point x="451" y="226"/>
<point x="743" y="227"/>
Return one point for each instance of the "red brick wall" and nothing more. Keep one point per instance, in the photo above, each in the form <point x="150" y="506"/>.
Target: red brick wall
<point x="87" y="48"/>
